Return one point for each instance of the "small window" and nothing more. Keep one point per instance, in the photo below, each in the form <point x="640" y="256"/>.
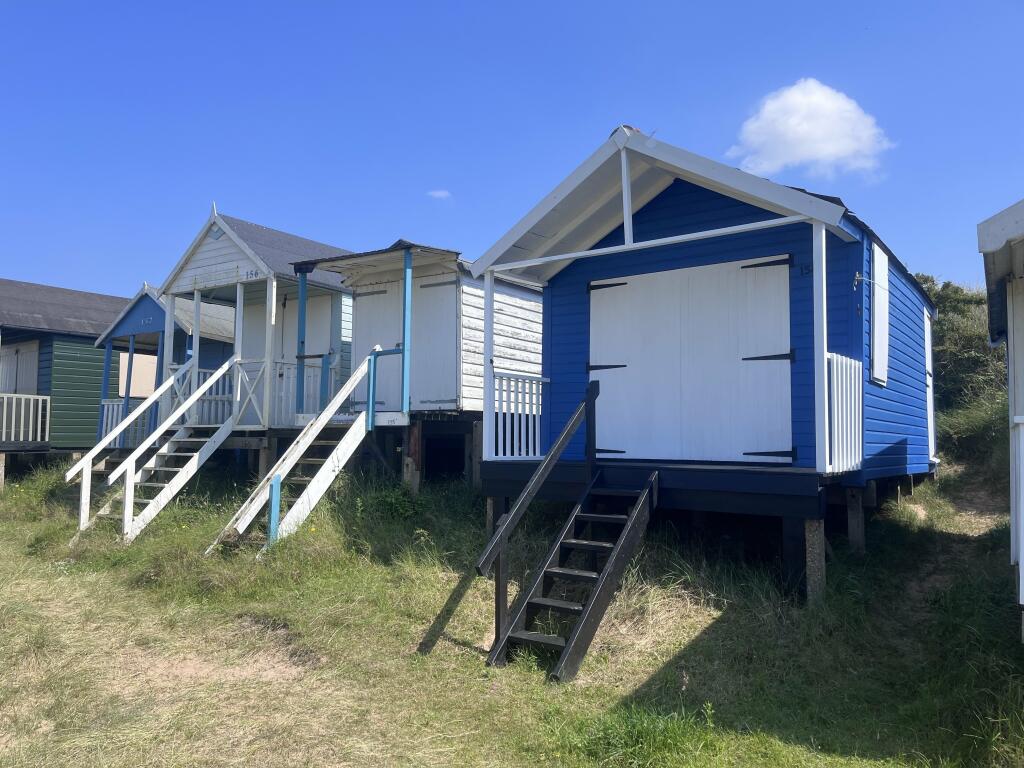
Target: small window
<point x="879" y="286"/>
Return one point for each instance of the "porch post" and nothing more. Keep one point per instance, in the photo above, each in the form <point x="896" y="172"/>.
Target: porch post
<point x="300" y="349"/>
<point x="108" y="352"/>
<point x="197" y="302"/>
<point x="237" y="348"/>
<point x="488" y="427"/>
<point x="159" y="367"/>
<point x="268" y="348"/>
<point x="821" y="432"/>
<point x="335" y="350"/>
<point x="406" y="329"/>
<point x="126" y="404"/>
<point x="627" y="198"/>
<point x="170" y="326"/>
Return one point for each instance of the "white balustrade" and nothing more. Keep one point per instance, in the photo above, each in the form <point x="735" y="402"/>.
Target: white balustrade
<point x="846" y="413"/>
<point x="24" y="418"/>
<point x="112" y="411"/>
<point x="518" y="400"/>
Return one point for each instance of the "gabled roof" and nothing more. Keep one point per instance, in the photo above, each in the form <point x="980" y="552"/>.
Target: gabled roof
<point x="217" y="321"/>
<point x="587" y="205"/>
<point x="32" y="306"/>
<point x="271" y="249"/>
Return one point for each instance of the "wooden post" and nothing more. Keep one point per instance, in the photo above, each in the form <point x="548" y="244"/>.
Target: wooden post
<point x="591" y="418"/>
<point x="169" y="331"/>
<point x="499" y="507"/>
<point x="820" y="330"/>
<point x="855" y="519"/>
<point x="300" y="348"/>
<point x="237" y="348"/>
<point x="108" y="353"/>
<point x="197" y="299"/>
<point x="268" y="349"/>
<point x="412" y="457"/>
<point x="3" y="470"/>
<point x="476" y="454"/>
<point x="126" y="403"/>
<point x="154" y="413"/>
<point x="407" y="332"/>
<point x="814" y="533"/>
<point x="488" y="420"/>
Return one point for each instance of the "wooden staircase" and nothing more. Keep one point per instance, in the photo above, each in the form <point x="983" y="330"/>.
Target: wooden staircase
<point x="562" y="607"/>
<point x="564" y="603"/>
<point x="306" y="470"/>
<point x="163" y="462"/>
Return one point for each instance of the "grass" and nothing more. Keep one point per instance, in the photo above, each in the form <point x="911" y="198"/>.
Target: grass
<point x="360" y="641"/>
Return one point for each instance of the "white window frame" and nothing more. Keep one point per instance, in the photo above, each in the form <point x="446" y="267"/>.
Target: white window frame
<point x="879" y="315"/>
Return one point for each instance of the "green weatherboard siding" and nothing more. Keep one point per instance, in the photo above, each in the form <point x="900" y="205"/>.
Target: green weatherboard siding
<point x="76" y="379"/>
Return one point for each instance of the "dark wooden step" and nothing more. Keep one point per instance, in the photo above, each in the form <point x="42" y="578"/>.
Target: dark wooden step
<point x="610" y="491"/>
<point x="537" y="638"/>
<point x="590" y="546"/>
<point x="150" y="485"/>
<point x="593" y="517"/>
<point x="312" y="461"/>
<point x="561" y="606"/>
<point x="573" y="574"/>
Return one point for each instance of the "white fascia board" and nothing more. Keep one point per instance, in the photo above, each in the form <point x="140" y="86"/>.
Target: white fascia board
<point x="213" y="219"/>
<point x="731" y="181"/>
<point x="606" y="151"/>
<point x="1006" y="226"/>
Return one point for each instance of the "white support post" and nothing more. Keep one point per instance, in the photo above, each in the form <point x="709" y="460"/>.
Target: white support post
<point x="168" y="361"/>
<point x="488" y="365"/>
<point x="129" y="499"/>
<point x="85" y="494"/>
<point x="168" y="336"/>
<point x="627" y="198"/>
<point x="197" y="302"/>
<point x="268" y="348"/>
<point x="336" y="319"/>
<point x="821" y="433"/>
<point x="239" y="314"/>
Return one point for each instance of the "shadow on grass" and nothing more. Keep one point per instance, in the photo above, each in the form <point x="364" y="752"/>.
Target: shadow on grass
<point x="914" y="654"/>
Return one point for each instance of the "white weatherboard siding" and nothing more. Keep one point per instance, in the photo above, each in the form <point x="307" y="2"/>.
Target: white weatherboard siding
<point x="687" y="367"/>
<point x="215" y="262"/>
<point x="448" y="328"/>
<point x="518" y="335"/>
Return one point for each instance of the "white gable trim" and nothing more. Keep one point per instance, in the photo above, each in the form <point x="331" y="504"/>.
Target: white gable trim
<point x="213" y="219"/>
<point x="679" y="163"/>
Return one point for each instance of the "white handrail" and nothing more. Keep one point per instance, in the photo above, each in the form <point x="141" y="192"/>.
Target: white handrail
<point x="86" y="461"/>
<point x="169" y="422"/>
<point x="284" y="465"/>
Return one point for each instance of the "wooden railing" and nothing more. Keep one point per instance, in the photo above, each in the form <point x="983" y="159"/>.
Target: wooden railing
<point x="518" y="401"/>
<point x="112" y="413"/>
<point x="316" y="397"/>
<point x="24" y="418"/>
<point x="845" y="413"/>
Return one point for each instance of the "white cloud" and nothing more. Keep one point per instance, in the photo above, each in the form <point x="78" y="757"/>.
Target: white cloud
<point x="439" y="194"/>
<point x="810" y="125"/>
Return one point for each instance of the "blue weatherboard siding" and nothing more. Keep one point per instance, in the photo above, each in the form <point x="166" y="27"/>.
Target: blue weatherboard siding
<point x="895" y="415"/>
<point x="681" y="208"/>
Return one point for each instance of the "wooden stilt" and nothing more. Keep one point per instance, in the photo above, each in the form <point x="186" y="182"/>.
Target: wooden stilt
<point x="814" y="575"/>
<point x="477" y="453"/>
<point x="3" y="470"/>
<point x="412" y="457"/>
<point x="855" y="519"/>
<point x="498" y="511"/>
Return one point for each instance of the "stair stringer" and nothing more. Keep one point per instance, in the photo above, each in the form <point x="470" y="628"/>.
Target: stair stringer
<point x="517" y="615"/>
<point x="179" y="480"/>
<point x="323" y="479"/>
<point x="607" y="585"/>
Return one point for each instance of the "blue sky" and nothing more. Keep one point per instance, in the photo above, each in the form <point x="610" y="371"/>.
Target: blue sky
<point x="119" y="123"/>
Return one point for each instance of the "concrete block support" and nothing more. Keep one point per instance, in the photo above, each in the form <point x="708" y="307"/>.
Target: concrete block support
<point x="814" y="574"/>
<point x="855" y="519"/>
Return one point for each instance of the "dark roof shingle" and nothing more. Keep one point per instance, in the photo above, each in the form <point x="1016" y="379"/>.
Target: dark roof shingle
<point x="61" y="310"/>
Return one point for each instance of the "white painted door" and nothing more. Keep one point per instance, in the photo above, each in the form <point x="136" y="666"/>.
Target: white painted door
<point x="434" y="374"/>
<point x="694" y="363"/>
<point x="19" y="368"/>
<point x="377" y="320"/>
